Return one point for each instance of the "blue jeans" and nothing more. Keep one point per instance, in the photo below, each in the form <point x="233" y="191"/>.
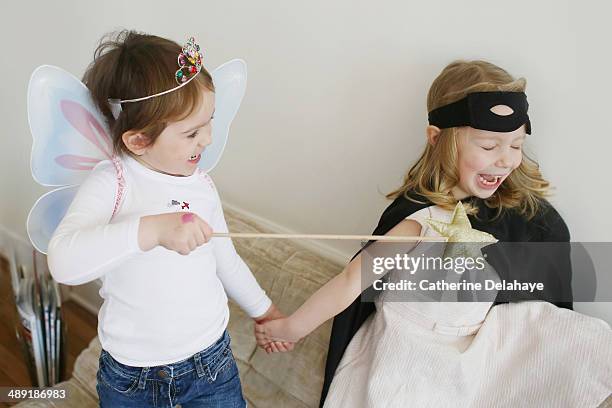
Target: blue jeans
<point x="209" y="378"/>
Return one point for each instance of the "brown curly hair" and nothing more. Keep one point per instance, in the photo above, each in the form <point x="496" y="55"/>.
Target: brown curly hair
<point x="128" y="64"/>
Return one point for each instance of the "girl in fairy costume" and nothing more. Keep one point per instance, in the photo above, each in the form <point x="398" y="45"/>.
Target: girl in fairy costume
<point x="163" y="322"/>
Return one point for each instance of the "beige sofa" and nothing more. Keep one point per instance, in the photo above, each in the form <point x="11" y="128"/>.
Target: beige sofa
<point x="289" y="274"/>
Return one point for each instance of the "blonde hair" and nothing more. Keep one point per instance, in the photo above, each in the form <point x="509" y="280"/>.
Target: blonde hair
<point x="436" y="172"/>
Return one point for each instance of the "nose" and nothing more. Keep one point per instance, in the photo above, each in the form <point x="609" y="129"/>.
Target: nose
<point x="505" y="160"/>
<point x="206" y="138"/>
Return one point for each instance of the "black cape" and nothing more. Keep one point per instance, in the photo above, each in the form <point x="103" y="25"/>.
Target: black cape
<point x="511" y="227"/>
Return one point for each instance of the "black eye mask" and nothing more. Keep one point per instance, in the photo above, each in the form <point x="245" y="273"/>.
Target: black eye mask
<point x="475" y="110"/>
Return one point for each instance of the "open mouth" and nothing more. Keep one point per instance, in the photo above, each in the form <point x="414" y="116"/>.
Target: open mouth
<point x="489" y="180"/>
<point x="195" y="158"/>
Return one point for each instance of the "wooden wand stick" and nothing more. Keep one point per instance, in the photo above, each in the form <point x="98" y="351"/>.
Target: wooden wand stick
<point x="328" y="236"/>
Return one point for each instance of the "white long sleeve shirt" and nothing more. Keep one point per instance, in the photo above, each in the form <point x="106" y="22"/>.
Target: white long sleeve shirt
<point x="159" y="306"/>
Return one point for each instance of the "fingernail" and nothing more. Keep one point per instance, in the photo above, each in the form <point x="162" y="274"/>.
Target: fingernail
<point x="187" y="217"/>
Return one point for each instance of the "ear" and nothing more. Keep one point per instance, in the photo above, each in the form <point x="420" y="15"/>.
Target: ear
<point x="432" y="134"/>
<point x="135" y="141"/>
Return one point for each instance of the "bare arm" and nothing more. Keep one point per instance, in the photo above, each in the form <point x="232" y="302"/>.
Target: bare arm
<point x="331" y="299"/>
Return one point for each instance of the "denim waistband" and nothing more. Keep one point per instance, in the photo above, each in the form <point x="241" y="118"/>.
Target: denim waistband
<point x="198" y="362"/>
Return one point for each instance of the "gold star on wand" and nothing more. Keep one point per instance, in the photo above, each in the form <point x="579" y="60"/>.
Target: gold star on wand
<point x="460" y="230"/>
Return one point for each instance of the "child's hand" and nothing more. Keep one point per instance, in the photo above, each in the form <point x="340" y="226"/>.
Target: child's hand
<point x="178" y="231"/>
<point x="274" y="346"/>
<point x="270" y="333"/>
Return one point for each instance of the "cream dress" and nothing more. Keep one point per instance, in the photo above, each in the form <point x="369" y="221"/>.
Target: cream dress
<point x="448" y="354"/>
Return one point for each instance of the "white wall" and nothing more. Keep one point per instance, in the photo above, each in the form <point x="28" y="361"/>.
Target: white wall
<point x="335" y="108"/>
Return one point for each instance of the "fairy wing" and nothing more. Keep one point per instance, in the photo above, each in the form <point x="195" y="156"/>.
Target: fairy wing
<point x="230" y="84"/>
<point x="70" y="137"/>
<point x="46" y="214"/>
